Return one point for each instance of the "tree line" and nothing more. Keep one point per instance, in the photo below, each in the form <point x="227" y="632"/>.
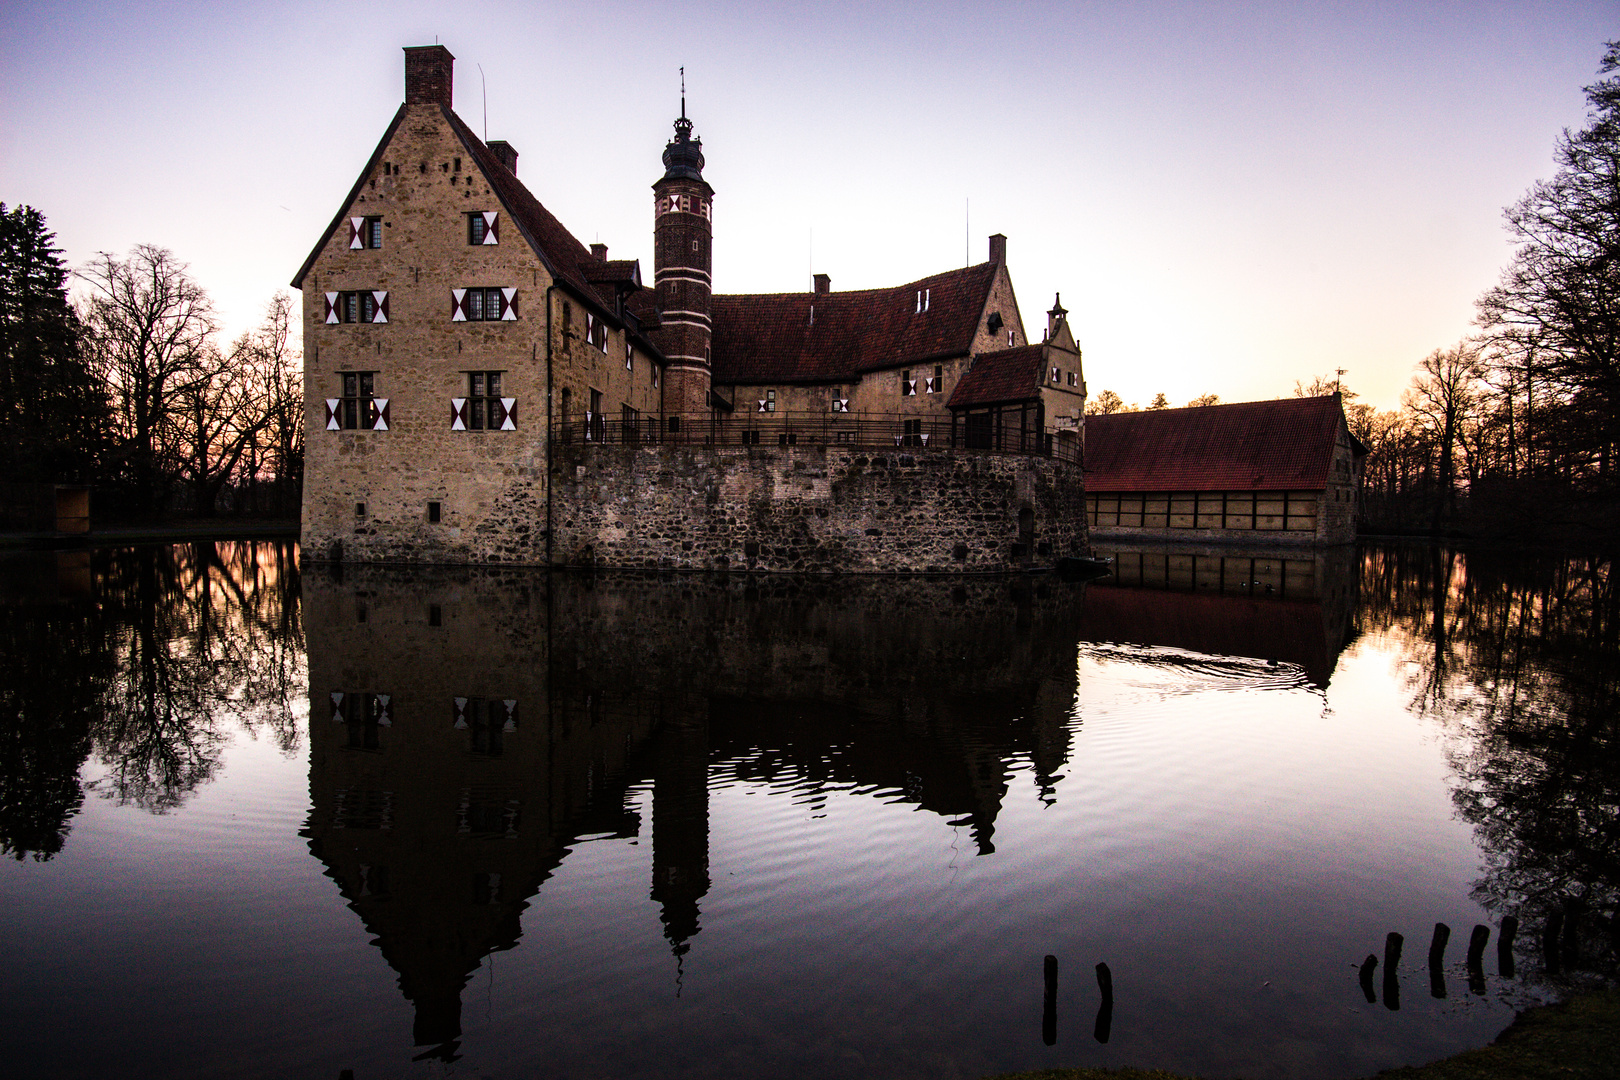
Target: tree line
<point x="1515" y="430"/>
<point x="131" y="390"/>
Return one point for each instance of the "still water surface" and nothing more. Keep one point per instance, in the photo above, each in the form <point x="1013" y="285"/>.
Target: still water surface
<point x="495" y="823"/>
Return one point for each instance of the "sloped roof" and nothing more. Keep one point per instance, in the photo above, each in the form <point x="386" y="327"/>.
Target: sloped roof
<point x="999" y="377"/>
<point x="1256" y="446"/>
<point x="772" y="338"/>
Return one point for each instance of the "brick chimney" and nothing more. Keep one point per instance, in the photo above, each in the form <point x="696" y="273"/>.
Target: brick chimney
<point x="998" y="249"/>
<point x="429" y="75"/>
<point x="599" y="252"/>
<point x="823" y="284"/>
<point x="504" y="154"/>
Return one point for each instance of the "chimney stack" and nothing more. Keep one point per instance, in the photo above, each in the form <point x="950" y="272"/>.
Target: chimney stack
<point x="998" y="249"/>
<point x="599" y="252"/>
<point x="504" y="154"/>
<point x="429" y="75"/>
<point x="823" y="284"/>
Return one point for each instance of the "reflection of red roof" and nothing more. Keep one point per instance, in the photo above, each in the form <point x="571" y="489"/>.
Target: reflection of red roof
<point x="1257" y="445"/>
<point x="1291" y="631"/>
<point x="1000" y="377"/>
<point x="773" y="338"/>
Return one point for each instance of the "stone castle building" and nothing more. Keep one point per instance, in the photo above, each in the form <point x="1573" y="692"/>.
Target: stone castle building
<point x="482" y="387"/>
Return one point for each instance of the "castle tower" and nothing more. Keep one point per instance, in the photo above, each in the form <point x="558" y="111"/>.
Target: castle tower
<point x="682" y="231"/>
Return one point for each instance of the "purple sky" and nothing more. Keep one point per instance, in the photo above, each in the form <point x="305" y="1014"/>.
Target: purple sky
<point x="1230" y="197"/>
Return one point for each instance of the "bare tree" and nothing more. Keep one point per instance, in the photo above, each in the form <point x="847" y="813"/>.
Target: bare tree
<point x="1443" y="397"/>
<point x="1159" y="402"/>
<point x="1203" y="400"/>
<point x="149" y="328"/>
<point x="266" y="360"/>
<point x="1105" y="403"/>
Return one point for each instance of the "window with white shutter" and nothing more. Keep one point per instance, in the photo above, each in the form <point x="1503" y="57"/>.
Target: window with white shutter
<point x="357" y="306"/>
<point x="359" y="409"/>
<point x="483" y="228"/>
<point x="483" y="305"/>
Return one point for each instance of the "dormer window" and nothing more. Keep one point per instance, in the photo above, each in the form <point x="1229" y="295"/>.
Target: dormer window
<point x="923" y="297"/>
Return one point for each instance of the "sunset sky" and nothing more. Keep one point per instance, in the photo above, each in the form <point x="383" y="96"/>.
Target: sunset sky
<point x="1230" y="197"/>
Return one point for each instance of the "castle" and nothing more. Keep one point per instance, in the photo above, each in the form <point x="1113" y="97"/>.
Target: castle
<point x="481" y="387"/>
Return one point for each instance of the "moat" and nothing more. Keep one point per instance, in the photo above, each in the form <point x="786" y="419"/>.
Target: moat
<point x="271" y="821"/>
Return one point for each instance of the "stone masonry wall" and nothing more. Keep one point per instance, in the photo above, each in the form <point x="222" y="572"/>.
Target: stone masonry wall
<point x="813" y="509"/>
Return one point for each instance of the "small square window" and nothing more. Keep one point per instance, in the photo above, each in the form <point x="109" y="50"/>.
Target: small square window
<point x="359" y="509"/>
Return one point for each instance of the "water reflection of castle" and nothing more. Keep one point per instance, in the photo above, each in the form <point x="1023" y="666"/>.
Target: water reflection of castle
<point x="467" y="727"/>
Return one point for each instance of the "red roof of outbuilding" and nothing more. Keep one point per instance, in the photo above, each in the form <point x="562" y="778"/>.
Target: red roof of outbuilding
<point x="1000" y="377"/>
<point x="827" y="337"/>
<point x="1257" y="445"/>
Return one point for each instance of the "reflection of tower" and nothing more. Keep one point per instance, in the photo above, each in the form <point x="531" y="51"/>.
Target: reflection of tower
<point x="680" y="824"/>
<point x="682" y="230"/>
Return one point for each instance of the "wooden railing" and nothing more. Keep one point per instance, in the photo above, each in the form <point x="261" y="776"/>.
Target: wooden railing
<point x="1010" y="432"/>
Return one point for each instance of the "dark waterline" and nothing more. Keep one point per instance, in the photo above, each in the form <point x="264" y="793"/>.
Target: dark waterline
<point x="266" y="822"/>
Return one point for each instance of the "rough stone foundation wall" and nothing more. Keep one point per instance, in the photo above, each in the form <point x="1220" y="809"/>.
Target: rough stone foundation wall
<point x="813" y="509"/>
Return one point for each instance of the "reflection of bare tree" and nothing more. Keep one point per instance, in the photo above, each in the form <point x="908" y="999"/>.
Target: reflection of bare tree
<point x="53" y="667"/>
<point x="1520" y="658"/>
<point x="206" y="640"/>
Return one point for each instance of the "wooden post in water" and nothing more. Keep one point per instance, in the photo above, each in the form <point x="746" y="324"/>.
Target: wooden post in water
<point x="1392" y="963"/>
<point x="1049" y="1010"/>
<point x="1437" y="960"/>
<point x="1476" y="959"/>
<point x="1368" y="966"/>
<point x="1504" y="946"/>
<point x="1549" y="941"/>
<point x="1105" y="1013"/>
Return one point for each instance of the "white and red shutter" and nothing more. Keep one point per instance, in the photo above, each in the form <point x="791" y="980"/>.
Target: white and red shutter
<point x="511" y="715"/>
<point x="458" y="305"/>
<point x="332" y="406"/>
<point x="379" y="419"/>
<point x="461" y="713"/>
<point x="911" y="388"/>
<point x="761" y="404"/>
<point x="337" y="706"/>
<point x="357" y="229"/>
<point x="509" y="310"/>
<point x="459" y="413"/>
<point x="385" y="710"/>
<point x="929" y="387"/>
<point x="381" y="297"/>
<point x="331" y="307"/>
<point x="508" y="414"/>
<point x="492" y="234"/>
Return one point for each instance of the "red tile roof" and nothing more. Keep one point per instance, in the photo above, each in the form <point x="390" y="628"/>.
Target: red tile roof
<point x="1254" y="446"/>
<point x="772" y="338"/>
<point x="1000" y="377"/>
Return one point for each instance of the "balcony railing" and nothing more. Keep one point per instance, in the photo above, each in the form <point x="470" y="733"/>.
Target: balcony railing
<point x="1004" y="431"/>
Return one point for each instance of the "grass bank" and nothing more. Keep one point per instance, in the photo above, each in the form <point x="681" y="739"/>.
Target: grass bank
<point x="1577" y="1039"/>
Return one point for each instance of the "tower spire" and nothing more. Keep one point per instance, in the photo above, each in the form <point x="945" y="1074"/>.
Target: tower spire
<point x="683" y="93"/>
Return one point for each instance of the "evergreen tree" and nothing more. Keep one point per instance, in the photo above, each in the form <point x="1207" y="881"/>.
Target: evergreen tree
<point x="53" y="413"/>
